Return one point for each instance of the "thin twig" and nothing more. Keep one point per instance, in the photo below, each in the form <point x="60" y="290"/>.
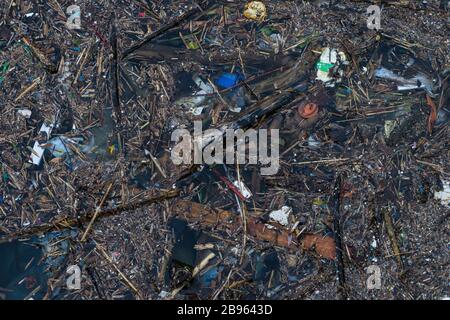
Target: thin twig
<point x="83" y="238"/>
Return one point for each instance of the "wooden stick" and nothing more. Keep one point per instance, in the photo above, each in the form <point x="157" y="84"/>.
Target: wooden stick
<point x="65" y="223"/>
<point x="125" y="279"/>
<point x="187" y="15"/>
<point x="83" y="62"/>
<point x="28" y="89"/>
<point x="321" y="161"/>
<point x="392" y="237"/>
<point x="83" y="238"/>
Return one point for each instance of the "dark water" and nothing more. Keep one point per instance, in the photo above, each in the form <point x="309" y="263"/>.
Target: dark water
<point x="25" y="266"/>
<point x="21" y="270"/>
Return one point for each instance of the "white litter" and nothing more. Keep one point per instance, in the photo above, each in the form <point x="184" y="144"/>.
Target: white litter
<point x="444" y="195"/>
<point x="24" y="113"/>
<point x="389" y="126"/>
<point x="313" y="141"/>
<point x="38" y="151"/>
<point x="328" y="60"/>
<point x="420" y="81"/>
<point x="196" y="102"/>
<point x="373" y="244"/>
<point x="243" y="189"/>
<point x="281" y="216"/>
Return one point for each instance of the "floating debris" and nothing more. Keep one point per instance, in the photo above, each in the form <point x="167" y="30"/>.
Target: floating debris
<point x="255" y="10"/>
<point x="38" y="150"/>
<point x="281" y="216"/>
<point x="308" y="110"/>
<point x="328" y="65"/>
<point x="353" y="122"/>
<point x="444" y="195"/>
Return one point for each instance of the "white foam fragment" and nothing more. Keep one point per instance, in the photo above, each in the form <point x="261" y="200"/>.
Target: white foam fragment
<point x="281" y="216"/>
<point x="26" y="113"/>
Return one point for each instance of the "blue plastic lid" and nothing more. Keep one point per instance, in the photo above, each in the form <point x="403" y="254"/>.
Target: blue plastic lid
<point x="228" y="80"/>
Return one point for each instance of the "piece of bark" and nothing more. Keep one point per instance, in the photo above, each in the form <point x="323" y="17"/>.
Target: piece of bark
<point x="324" y="246"/>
